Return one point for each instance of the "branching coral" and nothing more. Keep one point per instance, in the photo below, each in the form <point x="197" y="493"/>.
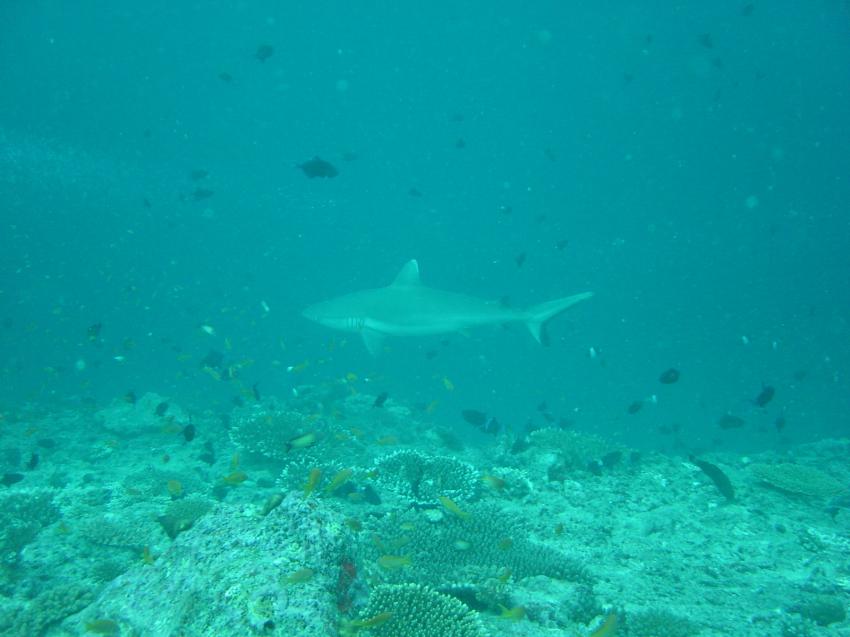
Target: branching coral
<point x="411" y="610"/>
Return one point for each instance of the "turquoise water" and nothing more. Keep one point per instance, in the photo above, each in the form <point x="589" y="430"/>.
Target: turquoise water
<point x="686" y="164"/>
<point x="613" y="128"/>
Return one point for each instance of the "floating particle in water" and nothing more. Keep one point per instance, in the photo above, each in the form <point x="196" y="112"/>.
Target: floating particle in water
<point x="264" y="52"/>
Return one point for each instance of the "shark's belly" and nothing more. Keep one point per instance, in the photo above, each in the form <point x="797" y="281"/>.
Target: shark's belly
<point x="438" y="325"/>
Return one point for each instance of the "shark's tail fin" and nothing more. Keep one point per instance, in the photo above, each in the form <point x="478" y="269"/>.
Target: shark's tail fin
<point x="540" y="314"/>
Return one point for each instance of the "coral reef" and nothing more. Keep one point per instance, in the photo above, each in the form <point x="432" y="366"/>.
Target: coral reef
<point x="445" y="550"/>
<point x="798" y="479"/>
<point x="228" y="576"/>
<point x="145" y="416"/>
<point x="411" y="610"/>
<point x="652" y="623"/>
<point x="422" y="479"/>
<point x="23" y="514"/>
<point x="268" y="430"/>
<point x="46" y="609"/>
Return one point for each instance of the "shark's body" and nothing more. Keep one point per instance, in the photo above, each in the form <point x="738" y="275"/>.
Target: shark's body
<point x="408" y="308"/>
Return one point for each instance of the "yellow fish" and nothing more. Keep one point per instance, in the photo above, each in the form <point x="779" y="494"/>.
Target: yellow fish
<point x="302" y="442"/>
<point x="312" y="481"/>
<point x="237" y="477"/>
<point x="394" y="562"/>
<point x="339" y="479"/>
<point x="452" y="507"/>
<point x="300" y="576"/>
<point x="449" y="385"/>
<point x="494" y="482"/>
<point x="514" y="614"/>
<point x="351" y="627"/>
<point x="608" y="627"/>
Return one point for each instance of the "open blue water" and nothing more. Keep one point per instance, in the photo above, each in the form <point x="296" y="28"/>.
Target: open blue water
<point x="691" y="159"/>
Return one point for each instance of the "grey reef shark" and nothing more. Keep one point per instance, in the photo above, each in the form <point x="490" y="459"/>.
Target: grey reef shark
<point x="407" y="308"/>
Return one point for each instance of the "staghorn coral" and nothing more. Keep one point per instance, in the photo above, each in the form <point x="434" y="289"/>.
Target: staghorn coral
<point x="416" y="611"/>
<point x="798" y="479"/>
<point x="422" y="479"/>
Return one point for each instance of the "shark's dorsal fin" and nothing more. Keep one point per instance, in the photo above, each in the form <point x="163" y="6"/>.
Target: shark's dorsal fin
<point x="409" y="274"/>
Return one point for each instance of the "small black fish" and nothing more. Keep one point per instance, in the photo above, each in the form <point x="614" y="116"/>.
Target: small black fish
<point x="189" y="432"/>
<point x="11" y="478"/>
<point x="706" y="40"/>
<point x="474" y="417"/>
<point x="237" y="400"/>
<point x="199" y="194"/>
<point x="635" y="407"/>
<point x="264" y="52"/>
<point x="668" y="377"/>
<point x="161" y="408"/>
<point x="93" y="331"/>
<point x="561" y="244"/>
<point x="479" y="419"/>
<point x="728" y="421"/>
<point x="747" y="10"/>
<point x="431" y="354"/>
<point x="146" y="202"/>
<point x="720" y="479"/>
<point x="612" y="459"/>
<point x="225" y="77"/>
<point x="381" y="399"/>
<point x="32" y="463"/>
<point x="198" y="174"/>
<point x="542" y="406"/>
<point x="415" y="192"/>
<point x="520" y="259"/>
<point x="779" y="423"/>
<point x="318" y="167"/>
<point x="213" y="360"/>
<point x="130" y="397"/>
<point x="255" y="392"/>
<point x="506" y="210"/>
<point x="765" y="396"/>
<point x="460" y="143"/>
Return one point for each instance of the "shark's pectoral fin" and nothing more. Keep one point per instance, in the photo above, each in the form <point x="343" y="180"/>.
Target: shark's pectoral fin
<point x="540" y="314"/>
<point x="374" y="341"/>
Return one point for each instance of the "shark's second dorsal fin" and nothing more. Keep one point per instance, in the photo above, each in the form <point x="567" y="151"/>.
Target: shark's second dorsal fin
<point x="409" y="274"/>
